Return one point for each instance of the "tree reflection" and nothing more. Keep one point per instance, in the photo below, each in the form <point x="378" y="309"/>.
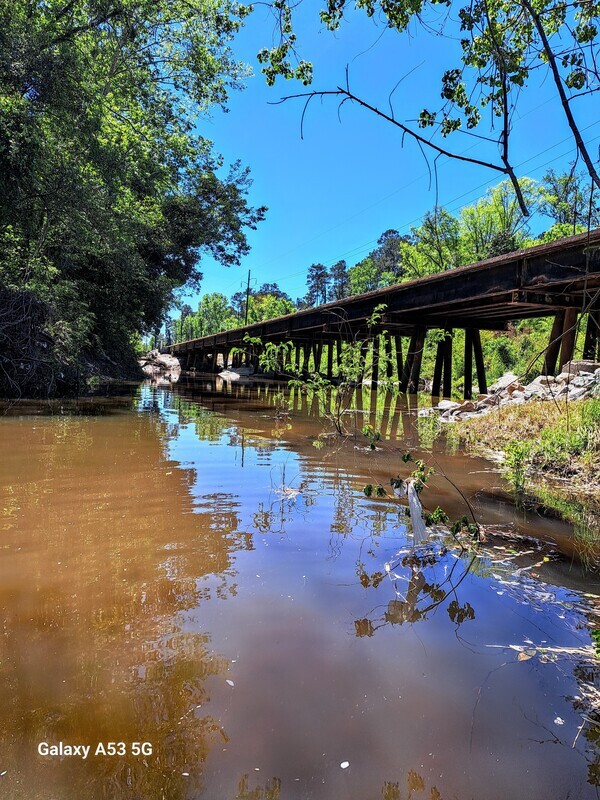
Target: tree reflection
<point x="274" y="789"/>
<point x="418" y="591"/>
<point x="100" y="641"/>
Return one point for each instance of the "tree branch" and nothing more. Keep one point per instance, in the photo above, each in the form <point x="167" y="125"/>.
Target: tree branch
<point x="562" y="94"/>
<point x="505" y="169"/>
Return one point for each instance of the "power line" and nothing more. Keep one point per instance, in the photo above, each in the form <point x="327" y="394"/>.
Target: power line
<point x="364" y="247"/>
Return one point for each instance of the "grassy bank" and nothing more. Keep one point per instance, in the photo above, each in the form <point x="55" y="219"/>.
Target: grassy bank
<point x="557" y="441"/>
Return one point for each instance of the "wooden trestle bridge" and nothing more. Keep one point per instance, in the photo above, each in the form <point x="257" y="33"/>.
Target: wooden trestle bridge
<point x="560" y="279"/>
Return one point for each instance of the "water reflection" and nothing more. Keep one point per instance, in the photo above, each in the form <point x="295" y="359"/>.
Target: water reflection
<point x="395" y="418"/>
<point x="418" y="589"/>
<point x="179" y="575"/>
<point x="96" y="644"/>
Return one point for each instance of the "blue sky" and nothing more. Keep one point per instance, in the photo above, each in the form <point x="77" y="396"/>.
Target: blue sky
<point x="331" y="194"/>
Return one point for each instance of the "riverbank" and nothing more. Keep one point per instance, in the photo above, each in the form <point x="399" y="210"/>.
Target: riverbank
<point x="559" y="441"/>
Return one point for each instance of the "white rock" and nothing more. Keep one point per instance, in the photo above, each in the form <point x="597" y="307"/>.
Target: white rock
<point x="505" y="381"/>
<point x="447" y="405"/>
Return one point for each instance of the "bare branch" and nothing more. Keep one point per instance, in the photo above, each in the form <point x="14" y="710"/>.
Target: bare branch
<point x="505" y="169"/>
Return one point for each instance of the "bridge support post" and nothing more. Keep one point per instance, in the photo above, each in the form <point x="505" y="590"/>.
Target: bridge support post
<point x="305" y="358"/>
<point x="398" y="341"/>
<point x="297" y="357"/>
<point x="553" y="348"/>
<point x="448" y="362"/>
<point x="375" y="361"/>
<point x="329" y="360"/>
<point x="415" y="371"/>
<point x="437" y="369"/>
<point x="479" y="364"/>
<point x="411" y="371"/>
<point x="389" y="364"/>
<point x="569" y="335"/>
<point x="468" y="380"/>
<point x="317" y="353"/>
<point x="473" y="348"/>
<point x="591" y="347"/>
<point x="406" y="369"/>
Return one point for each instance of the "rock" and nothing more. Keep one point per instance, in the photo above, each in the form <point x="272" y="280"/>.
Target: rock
<point x="544" y="380"/>
<point x="584" y="379"/>
<point x="565" y="377"/>
<point x="468" y="405"/>
<point x="505" y="381"/>
<point x="577" y="393"/>
<point x="536" y="388"/>
<point x="236" y="373"/>
<point x="161" y="366"/>
<point x="514" y="387"/>
<point x="488" y="400"/>
<point x="575" y="367"/>
<point x="447" y="405"/>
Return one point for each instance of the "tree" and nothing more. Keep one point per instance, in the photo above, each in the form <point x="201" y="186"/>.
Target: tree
<point x="502" y="44"/>
<point x="214" y="314"/>
<point x="317" y="282"/>
<point x="340" y="283"/>
<point x="496" y="221"/>
<point x="268" y="306"/>
<point x="108" y="197"/>
<point x="387" y="256"/>
<point x="363" y="276"/>
<point x="437" y="241"/>
<point x="568" y="200"/>
<point x="273" y="289"/>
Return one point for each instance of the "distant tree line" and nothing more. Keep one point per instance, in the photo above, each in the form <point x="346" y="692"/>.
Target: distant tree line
<point x="492" y="226"/>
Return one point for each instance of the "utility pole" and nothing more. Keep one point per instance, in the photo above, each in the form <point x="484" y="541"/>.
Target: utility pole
<point x="247" y="299"/>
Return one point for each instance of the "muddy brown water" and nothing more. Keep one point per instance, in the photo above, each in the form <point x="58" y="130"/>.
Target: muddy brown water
<point x="183" y="571"/>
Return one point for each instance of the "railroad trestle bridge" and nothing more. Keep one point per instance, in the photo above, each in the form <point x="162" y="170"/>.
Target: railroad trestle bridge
<point x="560" y="279"/>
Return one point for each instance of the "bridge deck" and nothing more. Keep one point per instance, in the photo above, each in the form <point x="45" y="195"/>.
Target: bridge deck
<point x="488" y="295"/>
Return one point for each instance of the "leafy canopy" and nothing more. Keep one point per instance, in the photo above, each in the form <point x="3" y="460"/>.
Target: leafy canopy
<point x="109" y="195"/>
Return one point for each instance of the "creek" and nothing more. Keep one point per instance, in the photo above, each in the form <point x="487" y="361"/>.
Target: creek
<point x="182" y="568"/>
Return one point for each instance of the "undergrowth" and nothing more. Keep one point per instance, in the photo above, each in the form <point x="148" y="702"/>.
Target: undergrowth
<point x="560" y="440"/>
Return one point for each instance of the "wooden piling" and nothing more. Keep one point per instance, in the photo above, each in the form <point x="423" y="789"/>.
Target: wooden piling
<point x="569" y="335"/>
<point x="553" y="349"/>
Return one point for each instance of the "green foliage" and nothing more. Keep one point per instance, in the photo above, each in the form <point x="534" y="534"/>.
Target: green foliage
<point x="317" y="281"/>
<point x="464" y="523"/>
<point x="374" y="489"/>
<point x="436" y="517"/>
<point x="108" y="198"/>
<point x="372" y="435"/>
<point x="566" y="198"/>
<point x="515" y="462"/>
<point x="340" y="282"/>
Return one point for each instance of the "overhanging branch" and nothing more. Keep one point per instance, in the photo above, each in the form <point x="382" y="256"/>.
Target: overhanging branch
<point x="346" y="94"/>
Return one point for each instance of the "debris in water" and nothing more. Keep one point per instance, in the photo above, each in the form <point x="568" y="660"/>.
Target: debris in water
<point x="345" y="764"/>
<point x="559" y="721"/>
<point x="231" y="683"/>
